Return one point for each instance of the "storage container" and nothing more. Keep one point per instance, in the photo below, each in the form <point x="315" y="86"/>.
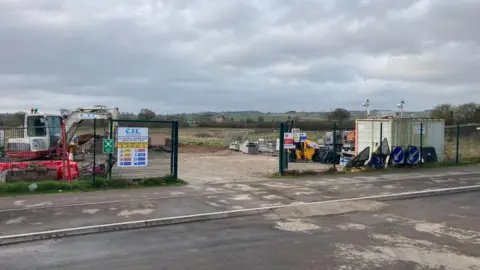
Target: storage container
<point x="400" y="132"/>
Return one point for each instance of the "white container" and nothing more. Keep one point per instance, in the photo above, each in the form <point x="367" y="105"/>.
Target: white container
<point x="400" y="132"/>
<point x="2" y="138"/>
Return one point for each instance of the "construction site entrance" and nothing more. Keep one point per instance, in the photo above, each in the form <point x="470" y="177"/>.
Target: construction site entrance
<point x="142" y="149"/>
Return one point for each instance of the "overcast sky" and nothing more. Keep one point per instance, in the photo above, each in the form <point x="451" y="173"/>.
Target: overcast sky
<point x="213" y="55"/>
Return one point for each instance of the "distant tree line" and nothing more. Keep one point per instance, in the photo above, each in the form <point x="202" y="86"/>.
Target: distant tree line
<point x="339" y="116"/>
<point x="462" y="114"/>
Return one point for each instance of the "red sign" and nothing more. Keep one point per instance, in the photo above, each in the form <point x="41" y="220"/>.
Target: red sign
<point x="288" y="141"/>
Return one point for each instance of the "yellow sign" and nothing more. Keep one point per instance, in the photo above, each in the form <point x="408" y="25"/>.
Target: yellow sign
<point x="133" y="145"/>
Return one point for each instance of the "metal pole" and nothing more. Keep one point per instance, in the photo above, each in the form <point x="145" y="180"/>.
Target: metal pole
<point x="421" y="143"/>
<point x="280" y="149"/>
<point x="175" y="157"/>
<point x="457" y="156"/>
<point x="171" y="146"/>
<point x="381" y="143"/>
<point x="110" y="156"/>
<point x="94" y="149"/>
<point x="335" y="144"/>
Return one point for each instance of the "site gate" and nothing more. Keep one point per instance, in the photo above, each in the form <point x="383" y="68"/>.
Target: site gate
<point x="142" y="149"/>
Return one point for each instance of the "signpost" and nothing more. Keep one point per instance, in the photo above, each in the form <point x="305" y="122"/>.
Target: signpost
<point x="132" y="147"/>
<point x="108" y="146"/>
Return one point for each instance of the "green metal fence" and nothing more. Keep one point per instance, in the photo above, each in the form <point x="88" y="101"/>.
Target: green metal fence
<point x="462" y="143"/>
<point x="142" y="149"/>
<point x="391" y="142"/>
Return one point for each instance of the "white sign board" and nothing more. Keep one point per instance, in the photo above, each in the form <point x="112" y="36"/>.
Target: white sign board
<point x="296" y="137"/>
<point x="417" y="130"/>
<point x="288" y="141"/>
<point x="132" y="147"/>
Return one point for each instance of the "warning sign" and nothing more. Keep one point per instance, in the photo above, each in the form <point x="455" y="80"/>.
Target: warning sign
<point x="288" y="142"/>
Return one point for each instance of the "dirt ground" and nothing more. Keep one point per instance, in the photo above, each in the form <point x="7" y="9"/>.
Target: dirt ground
<point x="228" y="166"/>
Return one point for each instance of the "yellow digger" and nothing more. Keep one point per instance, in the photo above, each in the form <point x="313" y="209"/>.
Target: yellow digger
<point x="305" y="151"/>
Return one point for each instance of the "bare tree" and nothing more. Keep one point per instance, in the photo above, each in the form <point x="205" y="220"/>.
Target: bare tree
<point x="340" y="115"/>
<point x="146" y="114"/>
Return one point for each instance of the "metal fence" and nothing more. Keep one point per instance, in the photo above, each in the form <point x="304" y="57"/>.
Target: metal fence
<point x="462" y="143"/>
<point x="379" y="143"/>
<point x="38" y="152"/>
<point x="143" y="149"/>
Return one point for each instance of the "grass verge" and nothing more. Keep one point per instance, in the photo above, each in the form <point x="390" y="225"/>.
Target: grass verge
<point x="292" y="174"/>
<point x="83" y="185"/>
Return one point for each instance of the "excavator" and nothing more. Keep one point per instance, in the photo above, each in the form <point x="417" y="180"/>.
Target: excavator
<point x="42" y="136"/>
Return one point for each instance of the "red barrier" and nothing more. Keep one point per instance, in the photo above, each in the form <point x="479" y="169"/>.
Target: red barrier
<point x="57" y="164"/>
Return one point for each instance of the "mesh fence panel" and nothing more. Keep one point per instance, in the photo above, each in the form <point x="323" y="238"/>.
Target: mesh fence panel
<point x="468" y="142"/>
<point x="139" y="158"/>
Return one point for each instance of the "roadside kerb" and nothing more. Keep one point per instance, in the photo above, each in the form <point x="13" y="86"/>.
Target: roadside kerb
<point x="55" y="234"/>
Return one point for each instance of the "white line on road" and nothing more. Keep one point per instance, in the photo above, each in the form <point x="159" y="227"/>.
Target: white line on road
<point x="10" y="239"/>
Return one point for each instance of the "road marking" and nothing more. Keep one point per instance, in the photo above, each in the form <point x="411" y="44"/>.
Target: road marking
<point x="114" y="201"/>
<point x="53" y="234"/>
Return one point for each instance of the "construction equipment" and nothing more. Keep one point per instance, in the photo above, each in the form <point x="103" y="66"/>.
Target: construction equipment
<point x="306" y="151"/>
<point x="42" y="133"/>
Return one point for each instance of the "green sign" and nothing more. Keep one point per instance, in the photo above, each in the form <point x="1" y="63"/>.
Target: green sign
<point x="108" y="146"/>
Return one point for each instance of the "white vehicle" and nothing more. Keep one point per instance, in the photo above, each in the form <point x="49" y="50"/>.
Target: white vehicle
<point x="42" y="135"/>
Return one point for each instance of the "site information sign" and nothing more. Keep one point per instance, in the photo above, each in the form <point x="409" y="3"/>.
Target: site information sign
<point x="288" y="141"/>
<point x="132" y="147"/>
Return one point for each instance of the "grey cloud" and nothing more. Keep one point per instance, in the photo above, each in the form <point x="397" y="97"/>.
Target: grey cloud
<point x="187" y="55"/>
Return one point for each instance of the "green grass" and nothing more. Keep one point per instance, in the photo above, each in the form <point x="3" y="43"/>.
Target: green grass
<point x="210" y="142"/>
<point x="84" y="185"/>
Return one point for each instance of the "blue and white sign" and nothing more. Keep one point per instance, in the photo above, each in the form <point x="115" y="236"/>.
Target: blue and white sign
<point x="303" y="136"/>
<point x="376" y="162"/>
<point x="88" y="116"/>
<point x="413" y="155"/>
<point x="398" y="155"/>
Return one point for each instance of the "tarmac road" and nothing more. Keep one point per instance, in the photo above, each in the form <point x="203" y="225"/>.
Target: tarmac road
<point x="441" y="232"/>
<point x="27" y="214"/>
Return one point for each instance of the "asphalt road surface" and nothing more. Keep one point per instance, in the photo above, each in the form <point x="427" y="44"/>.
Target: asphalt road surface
<point x="441" y="232"/>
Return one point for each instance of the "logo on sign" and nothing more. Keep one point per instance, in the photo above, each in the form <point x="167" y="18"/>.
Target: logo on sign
<point x="133" y="131"/>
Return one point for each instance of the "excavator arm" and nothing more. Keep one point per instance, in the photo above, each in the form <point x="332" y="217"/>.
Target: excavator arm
<point x="75" y="118"/>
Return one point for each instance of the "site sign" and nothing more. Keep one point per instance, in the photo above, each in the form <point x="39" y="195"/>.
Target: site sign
<point x="132" y="147"/>
<point x="288" y="141"/>
<point x="108" y="146"/>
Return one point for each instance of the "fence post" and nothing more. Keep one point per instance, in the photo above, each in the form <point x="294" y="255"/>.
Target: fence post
<point x="281" y="151"/>
<point x="457" y="154"/>
<point x="172" y="153"/>
<point x="421" y="143"/>
<point x="381" y="143"/>
<point x="175" y="157"/>
<point x="335" y="144"/>
<point x="94" y="149"/>
<point x="110" y="156"/>
<point x="286" y="152"/>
